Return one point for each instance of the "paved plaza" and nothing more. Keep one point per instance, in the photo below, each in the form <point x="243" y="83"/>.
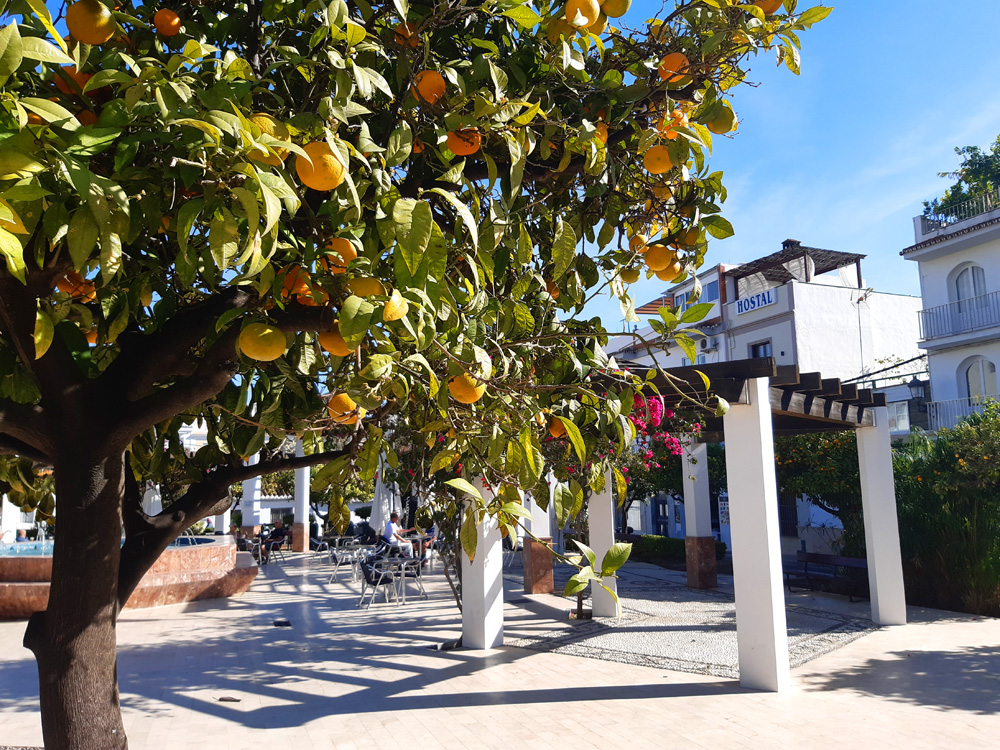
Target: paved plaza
<point x="294" y="664"/>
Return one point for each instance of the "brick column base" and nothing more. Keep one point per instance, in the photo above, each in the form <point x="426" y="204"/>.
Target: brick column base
<point x="249" y="531"/>
<point x="300" y="537"/>
<point x="700" y="554"/>
<point x="538" y="566"/>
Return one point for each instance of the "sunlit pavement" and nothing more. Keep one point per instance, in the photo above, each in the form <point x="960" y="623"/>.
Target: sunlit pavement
<point x="220" y="674"/>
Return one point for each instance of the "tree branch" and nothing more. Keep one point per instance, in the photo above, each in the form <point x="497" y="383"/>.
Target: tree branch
<point x="148" y="359"/>
<point x="14" y="447"/>
<point x="146" y="537"/>
<point x="27" y="423"/>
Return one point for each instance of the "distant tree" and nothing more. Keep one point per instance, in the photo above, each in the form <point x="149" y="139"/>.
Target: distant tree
<point x="978" y="173"/>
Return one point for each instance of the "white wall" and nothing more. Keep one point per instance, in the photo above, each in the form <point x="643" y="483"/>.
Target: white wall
<point x="936" y="267"/>
<point x="841" y="332"/>
<point x="947" y="368"/>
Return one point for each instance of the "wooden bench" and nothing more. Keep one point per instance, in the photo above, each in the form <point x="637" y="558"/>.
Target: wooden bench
<point x="828" y="575"/>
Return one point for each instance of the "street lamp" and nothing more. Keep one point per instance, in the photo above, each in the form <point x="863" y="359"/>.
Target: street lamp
<point x="917" y="388"/>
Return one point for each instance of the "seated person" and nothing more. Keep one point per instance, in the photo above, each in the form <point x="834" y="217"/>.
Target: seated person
<point x="393" y="536"/>
<point x="22" y="536"/>
<point x="277" y="536"/>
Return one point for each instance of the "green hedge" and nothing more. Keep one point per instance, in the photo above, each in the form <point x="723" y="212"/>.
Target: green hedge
<point x="650" y="548"/>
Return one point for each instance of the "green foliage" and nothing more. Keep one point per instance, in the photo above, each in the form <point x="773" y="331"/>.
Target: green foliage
<point x="978" y="173"/>
<point x="948" y="499"/>
<point x="658" y="549"/>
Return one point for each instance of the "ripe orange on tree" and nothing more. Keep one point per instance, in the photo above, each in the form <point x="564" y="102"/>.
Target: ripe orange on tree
<point x="598" y="26"/>
<point x="296" y="282"/>
<point x="657" y="160"/>
<point x="630" y="275"/>
<point x="262" y="342"/>
<point x="343" y="409"/>
<point x="552" y="289"/>
<point x="167" y="22"/>
<point x="671" y="272"/>
<point x="428" y="86"/>
<point x="674" y="66"/>
<point x="659" y="257"/>
<point x="615" y="8"/>
<point x="556" y="428"/>
<point x="326" y="171"/>
<point x="86" y="117"/>
<point x="90" y="22"/>
<point x="769" y="6"/>
<point x="73" y="284"/>
<point x="80" y="79"/>
<point x="334" y="343"/>
<point x="582" y="12"/>
<point x="342" y="253"/>
<point x="464" y="142"/>
<point x="602" y="133"/>
<point x="637" y="242"/>
<point x="560" y="28"/>
<point x="405" y="35"/>
<point x="274" y="128"/>
<point x="466" y="389"/>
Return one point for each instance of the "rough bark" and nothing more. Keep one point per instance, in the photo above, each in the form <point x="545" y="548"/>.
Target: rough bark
<point x="74" y="638"/>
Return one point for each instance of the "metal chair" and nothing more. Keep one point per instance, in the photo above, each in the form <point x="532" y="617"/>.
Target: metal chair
<point x="411" y="570"/>
<point x="376" y="572"/>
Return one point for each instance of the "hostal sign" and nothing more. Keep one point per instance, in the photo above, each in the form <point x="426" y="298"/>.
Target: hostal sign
<point x="754" y="301"/>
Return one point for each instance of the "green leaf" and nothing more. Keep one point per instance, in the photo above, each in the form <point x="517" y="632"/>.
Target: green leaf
<point x="414" y="222"/>
<point x="10" y="51"/>
<point x="615" y="558"/>
<point x="467" y="220"/>
<point x="465" y="486"/>
<point x="38" y="49"/>
<point x="563" y="249"/>
<point x="444" y="460"/>
<point x="575" y="585"/>
<point x="378" y="366"/>
<point x="223" y="238"/>
<point x="814" y="15"/>
<point x="82" y="236"/>
<point x="620" y="486"/>
<point x="686" y="343"/>
<point x="43" y="15"/>
<point x="185" y="220"/>
<point x="573" y="433"/>
<point x="13" y="253"/>
<point x="588" y="552"/>
<point x="468" y="535"/>
<point x="355" y="317"/>
<point x="52" y="113"/>
<point x="722" y="407"/>
<point x="524" y="16"/>
<point x="697" y="312"/>
<point x="44" y="330"/>
<point x="718" y="227"/>
<point x="526" y="117"/>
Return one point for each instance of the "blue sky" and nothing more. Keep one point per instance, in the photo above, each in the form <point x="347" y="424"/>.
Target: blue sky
<point x="842" y="156"/>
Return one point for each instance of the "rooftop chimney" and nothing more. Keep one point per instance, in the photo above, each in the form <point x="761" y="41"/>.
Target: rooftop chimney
<point x="790" y="244"/>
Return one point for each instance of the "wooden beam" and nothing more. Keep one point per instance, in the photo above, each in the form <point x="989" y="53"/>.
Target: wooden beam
<point x="823" y="410"/>
<point x="809" y="382"/>
<point x="879" y="399"/>
<point x="848" y="392"/>
<point x="787" y="375"/>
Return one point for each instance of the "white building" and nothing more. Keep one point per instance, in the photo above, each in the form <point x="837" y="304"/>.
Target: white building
<point x="958" y="255"/>
<point x="802" y="306"/>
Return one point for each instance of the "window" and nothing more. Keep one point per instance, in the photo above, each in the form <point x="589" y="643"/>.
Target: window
<point x="685" y="362"/>
<point x="970" y="284"/>
<point x="760" y="349"/>
<point x="981" y="379"/>
<point x="710" y="292"/>
<point x="700" y="359"/>
<point x="680" y="299"/>
<point x="899" y="416"/>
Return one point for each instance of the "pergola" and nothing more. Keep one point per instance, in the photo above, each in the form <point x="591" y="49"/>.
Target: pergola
<point x="764" y="400"/>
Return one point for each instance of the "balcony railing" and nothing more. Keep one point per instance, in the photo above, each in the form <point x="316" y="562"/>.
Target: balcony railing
<point x="981" y="204"/>
<point x="947" y="414"/>
<point x="967" y="315"/>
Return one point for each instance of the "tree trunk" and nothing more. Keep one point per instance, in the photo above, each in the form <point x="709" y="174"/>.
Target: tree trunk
<point x="74" y="638"/>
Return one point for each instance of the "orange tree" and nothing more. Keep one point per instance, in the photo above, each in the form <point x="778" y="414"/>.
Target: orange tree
<point x="279" y="216"/>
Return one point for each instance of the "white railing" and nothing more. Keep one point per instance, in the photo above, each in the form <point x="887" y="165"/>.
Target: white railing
<point x="945" y="217"/>
<point x="947" y="414"/>
<point x="967" y="315"/>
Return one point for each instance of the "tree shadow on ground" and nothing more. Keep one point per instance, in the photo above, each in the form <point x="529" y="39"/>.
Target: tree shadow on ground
<point x="965" y="680"/>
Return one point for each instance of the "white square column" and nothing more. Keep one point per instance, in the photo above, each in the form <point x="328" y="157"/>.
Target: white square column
<point x="601" y="519"/>
<point x="300" y="527"/>
<point x="761" y="630"/>
<point x="697" y="498"/>
<point x="878" y="500"/>
<point x="482" y="585"/>
<point x="250" y="503"/>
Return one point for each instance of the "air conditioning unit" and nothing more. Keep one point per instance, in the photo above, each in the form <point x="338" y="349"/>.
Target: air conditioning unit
<point x="710" y="344"/>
